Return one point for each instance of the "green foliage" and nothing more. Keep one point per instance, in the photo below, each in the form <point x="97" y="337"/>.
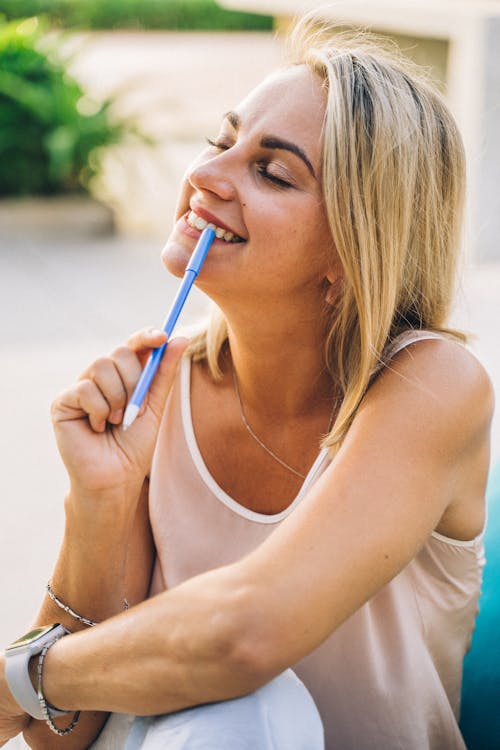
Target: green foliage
<point x="147" y="14"/>
<point x="50" y="132"/>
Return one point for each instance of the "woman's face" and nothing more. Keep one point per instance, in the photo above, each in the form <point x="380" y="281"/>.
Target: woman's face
<point x="260" y="180"/>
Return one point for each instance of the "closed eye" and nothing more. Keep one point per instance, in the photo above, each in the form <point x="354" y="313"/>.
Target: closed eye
<point x="263" y="171"/>
<point x="262" y="167"/>
<point x="218" y="144"/>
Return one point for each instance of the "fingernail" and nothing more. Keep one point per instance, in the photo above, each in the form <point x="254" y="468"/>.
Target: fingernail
<point x="154" y="332"/>
<point x="116" y="416"/>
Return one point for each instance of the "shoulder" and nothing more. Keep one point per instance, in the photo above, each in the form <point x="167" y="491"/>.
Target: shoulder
<point x="431" y="407"/>
<point x="435" y="385"/>
<point x="441" y="376"/>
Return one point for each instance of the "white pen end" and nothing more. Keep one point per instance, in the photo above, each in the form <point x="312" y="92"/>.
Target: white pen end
<point x="131" y="413"/>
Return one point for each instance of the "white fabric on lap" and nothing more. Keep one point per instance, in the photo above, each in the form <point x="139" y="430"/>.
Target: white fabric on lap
<point x="279" y="716"/>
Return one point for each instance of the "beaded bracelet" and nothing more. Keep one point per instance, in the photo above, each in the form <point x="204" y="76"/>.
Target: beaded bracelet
<point x="69" y="611"/>
<point x="46" y="707"/>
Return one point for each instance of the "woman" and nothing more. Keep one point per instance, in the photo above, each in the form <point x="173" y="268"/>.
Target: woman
<point x="336" y="188"/>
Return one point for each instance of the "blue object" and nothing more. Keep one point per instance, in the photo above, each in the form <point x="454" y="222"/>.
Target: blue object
<point x="149" y="371"/>
<point x="480" y="714"/>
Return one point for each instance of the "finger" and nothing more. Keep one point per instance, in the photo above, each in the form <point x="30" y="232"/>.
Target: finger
<point x="87" y="400"/>
<point x="129" y="368"/>
<point x="146" y="339"/>
<point x="83" y="400"/>
<point x="164" y="378"/>
<point x="106" y="375"/>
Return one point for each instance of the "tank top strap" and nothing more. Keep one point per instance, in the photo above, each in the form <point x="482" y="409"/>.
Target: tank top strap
<point x="405" y="339"/>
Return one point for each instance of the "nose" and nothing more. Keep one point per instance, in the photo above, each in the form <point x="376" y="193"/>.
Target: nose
<point x="213" y="175"/>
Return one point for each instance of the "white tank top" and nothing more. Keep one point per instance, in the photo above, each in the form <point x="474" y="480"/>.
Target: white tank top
<point x="390" y="676"/>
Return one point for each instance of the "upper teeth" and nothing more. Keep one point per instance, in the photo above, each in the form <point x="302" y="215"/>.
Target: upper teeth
<point x="223" y="234"/>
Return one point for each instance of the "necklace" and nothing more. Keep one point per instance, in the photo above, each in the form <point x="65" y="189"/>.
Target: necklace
<point x="257" y="438"/>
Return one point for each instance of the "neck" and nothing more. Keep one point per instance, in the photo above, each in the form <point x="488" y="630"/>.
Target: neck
<point x="280" y="367"/>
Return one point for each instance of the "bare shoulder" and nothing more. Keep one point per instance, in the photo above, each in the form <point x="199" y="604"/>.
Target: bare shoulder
<point x="444" y="378"/>
<point x="437" y="397"/>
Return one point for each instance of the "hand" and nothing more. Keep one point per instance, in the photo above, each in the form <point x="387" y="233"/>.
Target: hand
<point x="98" y="455"/>
<point x="12" y="718"/>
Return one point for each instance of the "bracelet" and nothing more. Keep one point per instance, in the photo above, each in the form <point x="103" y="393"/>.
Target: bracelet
<point x="46" y="707"/>
<point x="69" y="611"/>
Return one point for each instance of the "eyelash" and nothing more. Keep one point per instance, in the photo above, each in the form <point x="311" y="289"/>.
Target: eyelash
<point x="261" y="166"/>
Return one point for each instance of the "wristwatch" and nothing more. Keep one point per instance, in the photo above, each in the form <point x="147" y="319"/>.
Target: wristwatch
<point x="17" y="657"/>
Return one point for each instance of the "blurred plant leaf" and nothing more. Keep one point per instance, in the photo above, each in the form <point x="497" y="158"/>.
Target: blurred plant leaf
<point x="49" y="141"/>
<point x="138" y="14"/>
<point x="27" y="95"/>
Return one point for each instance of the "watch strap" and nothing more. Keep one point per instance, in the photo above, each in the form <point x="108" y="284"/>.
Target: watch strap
<point x="18" y="677"/>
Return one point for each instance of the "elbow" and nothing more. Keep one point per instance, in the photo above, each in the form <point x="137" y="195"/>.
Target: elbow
<point x="253" y="649"/>
<point x="253" y="662"/>
<point x="221" y="641"/>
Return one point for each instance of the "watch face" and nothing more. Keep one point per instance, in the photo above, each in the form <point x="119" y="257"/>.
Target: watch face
<point x="33" y="635"/>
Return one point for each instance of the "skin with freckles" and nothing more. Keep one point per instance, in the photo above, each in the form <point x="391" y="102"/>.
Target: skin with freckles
<point x="259" y="191"/>
<point x="207" y="639"/>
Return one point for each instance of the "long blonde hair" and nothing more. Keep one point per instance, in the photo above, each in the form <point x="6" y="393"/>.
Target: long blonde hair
<point x="393" y="178"/>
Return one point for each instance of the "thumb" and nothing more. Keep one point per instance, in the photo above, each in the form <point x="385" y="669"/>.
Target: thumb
<point x="164" y="378"/>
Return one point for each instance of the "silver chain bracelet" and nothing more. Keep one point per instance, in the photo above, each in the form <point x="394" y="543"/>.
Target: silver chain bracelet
<point x="69" y="611"/>
<point x="43" y="703"/>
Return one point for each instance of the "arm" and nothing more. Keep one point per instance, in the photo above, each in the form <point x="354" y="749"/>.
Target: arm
<point x="107" y="549"/>
<point x="82" y="583"/>
<point x="416" y="453"/>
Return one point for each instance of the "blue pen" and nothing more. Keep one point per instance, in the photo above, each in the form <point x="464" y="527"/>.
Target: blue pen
<point x="192" y="271"/>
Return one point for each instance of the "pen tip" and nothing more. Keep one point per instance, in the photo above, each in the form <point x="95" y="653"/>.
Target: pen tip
<point x="131" y="412"/>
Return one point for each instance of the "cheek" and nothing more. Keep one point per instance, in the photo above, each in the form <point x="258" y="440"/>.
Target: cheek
<point x="273" y="220"/>
<point x="292" y="226"/>
<point x="317" y="230"/>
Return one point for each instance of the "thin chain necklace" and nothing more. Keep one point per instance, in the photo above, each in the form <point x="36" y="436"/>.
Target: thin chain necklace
<point x="257" y="438"/>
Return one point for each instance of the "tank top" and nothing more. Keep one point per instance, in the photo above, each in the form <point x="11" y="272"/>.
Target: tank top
<point x="389" y="678"/>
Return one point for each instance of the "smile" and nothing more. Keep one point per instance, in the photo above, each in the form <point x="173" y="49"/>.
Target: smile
<point x="197" y="222"/>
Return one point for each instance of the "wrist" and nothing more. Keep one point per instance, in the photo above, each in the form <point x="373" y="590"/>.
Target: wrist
<point x="59" y="677"/>
<point x="89" y="576"/>
<point x="19" y="657"/>
<point x="118" y="498"/>
<point x="80" y="600"/>
<point x="8" y="704"/>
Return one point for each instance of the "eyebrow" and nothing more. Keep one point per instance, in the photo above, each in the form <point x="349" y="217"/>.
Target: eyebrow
<point x="273" y="142"/>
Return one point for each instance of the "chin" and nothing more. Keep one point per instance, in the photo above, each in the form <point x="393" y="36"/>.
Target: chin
<point x="174" y="258"/>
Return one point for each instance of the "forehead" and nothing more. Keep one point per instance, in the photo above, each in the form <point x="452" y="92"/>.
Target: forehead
<point x="290" y="104"/>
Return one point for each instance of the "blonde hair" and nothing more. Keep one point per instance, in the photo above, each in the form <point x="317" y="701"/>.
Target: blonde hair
<point x="393" y="178"/>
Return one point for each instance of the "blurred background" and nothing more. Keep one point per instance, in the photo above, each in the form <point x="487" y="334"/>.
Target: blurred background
<point x="103" y="103"/>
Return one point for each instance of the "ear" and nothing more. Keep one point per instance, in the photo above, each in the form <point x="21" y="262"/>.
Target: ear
<point x="334" y="282"/>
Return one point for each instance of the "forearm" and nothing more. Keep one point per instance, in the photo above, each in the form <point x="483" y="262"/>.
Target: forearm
<point x="179" y="649"/>
<point x="107" y="551"/>
<point x="90" y="571"/>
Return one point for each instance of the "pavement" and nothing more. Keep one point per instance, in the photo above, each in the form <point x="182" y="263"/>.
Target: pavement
<point x="66" y="300"/>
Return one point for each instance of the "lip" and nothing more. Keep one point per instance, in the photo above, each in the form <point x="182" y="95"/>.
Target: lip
<point x="212" y="219"/>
